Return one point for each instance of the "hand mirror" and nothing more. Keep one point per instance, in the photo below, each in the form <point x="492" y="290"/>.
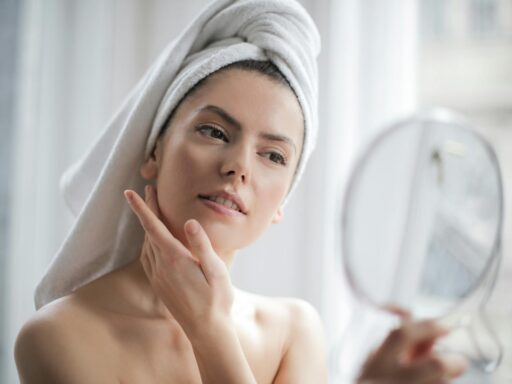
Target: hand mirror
<point x="422" y="216"/>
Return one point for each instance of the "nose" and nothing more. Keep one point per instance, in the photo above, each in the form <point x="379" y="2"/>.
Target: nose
<point x="236" y="164"/>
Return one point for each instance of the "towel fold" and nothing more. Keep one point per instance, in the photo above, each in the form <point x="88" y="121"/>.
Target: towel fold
<point x="106" y="235"/>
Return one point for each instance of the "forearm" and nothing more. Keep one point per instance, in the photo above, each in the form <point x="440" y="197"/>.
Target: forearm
<point x="219" y="355"/>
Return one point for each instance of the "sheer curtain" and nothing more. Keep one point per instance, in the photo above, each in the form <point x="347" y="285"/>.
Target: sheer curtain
<point x="77" y="60"/>
<point x="9" y="12"/>
<point x="369" y="80"/>
<point x="466" y="51"/>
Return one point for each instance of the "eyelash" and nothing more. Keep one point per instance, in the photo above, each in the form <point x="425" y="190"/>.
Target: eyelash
<point x="212" y="128"/>
<point x="282" y="159"/>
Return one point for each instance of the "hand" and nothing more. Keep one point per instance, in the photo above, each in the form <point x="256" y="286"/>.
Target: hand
<point x="406" y="356"/>
<point x="192" y="282"/>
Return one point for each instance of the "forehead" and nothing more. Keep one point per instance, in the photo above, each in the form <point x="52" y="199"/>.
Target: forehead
<point x="255" y="100"/>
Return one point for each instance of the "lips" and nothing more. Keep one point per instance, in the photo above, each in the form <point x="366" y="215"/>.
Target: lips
<point x="227" y="199"/>
<point x="226" y="203"/>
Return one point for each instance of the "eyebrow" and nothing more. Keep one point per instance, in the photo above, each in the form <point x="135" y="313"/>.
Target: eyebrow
<point x="236" y="124"/>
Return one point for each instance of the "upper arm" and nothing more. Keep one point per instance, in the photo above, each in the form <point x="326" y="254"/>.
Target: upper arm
<point x="46" y="353"/>
<point x="304" y="360"/>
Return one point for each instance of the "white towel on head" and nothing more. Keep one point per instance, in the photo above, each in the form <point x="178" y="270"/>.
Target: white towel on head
<point x="106" y="234"/>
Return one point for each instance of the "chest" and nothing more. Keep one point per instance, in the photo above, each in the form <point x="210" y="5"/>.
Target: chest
<point x="157" y="353"/>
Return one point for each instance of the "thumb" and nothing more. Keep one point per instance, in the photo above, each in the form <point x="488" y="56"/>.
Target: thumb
<point x="202" y="249"/>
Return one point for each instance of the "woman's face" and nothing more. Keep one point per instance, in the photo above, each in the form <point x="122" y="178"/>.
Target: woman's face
<point x="241" y="134"/>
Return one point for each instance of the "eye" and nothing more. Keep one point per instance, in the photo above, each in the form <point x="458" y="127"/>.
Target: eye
<point x="213" y="132"/>
<point x="276" y="157"/>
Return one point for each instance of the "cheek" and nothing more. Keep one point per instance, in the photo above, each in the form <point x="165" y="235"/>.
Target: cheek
<point x="275" y="193"/>
<point x="269" y="194"/>
<point x="267" y="199"/>
<point x="275" y="183"/>
<point x="182" y="170"/>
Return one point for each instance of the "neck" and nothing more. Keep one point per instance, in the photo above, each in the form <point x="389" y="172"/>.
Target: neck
<point x="143" y="294"/>
<point x="227" y="256"/>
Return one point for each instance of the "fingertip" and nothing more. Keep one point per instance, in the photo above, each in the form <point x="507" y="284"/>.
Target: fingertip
<point x="399" y="311"/>
<point x="192" y="227"/>
<point x="128" y="194"/>
<point x="439" y="329"/>
<point x="454" y="365"/>
<point x="443" y="330"/>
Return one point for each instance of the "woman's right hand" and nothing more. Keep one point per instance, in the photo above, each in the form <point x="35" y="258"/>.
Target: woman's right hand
<point x="192" y="282"/>
<point x="406" y="356"/>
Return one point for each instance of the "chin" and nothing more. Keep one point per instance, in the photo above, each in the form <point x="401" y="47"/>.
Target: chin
<point x="223" y="238"/>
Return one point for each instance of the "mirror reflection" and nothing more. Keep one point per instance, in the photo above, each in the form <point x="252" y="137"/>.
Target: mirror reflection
<point x="422" y="215"/>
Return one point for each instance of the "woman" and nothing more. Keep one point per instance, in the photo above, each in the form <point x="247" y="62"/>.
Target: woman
<point x="226" y="146"/>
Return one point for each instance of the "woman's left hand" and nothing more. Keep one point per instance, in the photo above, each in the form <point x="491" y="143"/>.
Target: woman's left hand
<point x="407" y="355"/>
<point x="192" y="282"/>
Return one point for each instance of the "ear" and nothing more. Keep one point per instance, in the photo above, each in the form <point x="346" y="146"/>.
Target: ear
<point x="278" y="216"/>
<point x="149" y="169"/>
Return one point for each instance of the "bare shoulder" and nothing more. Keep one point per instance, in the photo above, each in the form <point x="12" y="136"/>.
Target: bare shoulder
<point x="303" y="322"/>
<point x="303" y="358"/>
<point x="300" y="313"/>
<point x="57" y="345"/>
<point x="283" y="308"/>
<point x="296" y="315"/>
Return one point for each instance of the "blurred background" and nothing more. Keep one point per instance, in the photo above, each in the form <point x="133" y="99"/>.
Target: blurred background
<point x="66" y="65"/>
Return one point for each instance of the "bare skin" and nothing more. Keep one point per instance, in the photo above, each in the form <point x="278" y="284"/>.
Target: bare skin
<point x="102" y="334"/>
<point x="172" y="315"/>
<point x="183" y="321"/>
<point x="407" y="356"/>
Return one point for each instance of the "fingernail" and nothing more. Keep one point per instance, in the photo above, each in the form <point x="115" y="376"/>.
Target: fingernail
<point x="128" y="194"/>
<point x="192" y="227"/>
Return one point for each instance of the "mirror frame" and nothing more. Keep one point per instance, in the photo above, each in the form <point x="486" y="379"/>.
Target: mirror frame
<point x="436" y="115"/>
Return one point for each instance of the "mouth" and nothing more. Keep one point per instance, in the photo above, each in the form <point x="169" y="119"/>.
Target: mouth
<point x="223" y="202"/>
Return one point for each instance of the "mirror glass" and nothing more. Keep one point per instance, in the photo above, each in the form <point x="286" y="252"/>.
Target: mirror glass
<point x="422" y="215"/>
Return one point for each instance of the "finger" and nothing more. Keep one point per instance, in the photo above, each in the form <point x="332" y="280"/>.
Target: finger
<point x="146" y="265"/>
<point x="420" y="350"/>
<point x="434" y="370"/>
<point x="150" y="254"/>
<point x="201" y="247"/>
<point x="425" y="331"/>
<point x="425" y="371"/>
<point x="403" y="313"/>
<point x="152" y="200"/>
<point x="157" y="231"/>
<point x="453" y="365"/>
<point x="146" y="217"/>
<point x="413" y="335"/>
<point x="145" y="257"/>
